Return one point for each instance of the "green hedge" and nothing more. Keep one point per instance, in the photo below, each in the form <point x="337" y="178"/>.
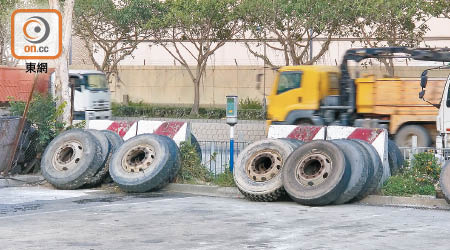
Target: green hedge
<point x="146" y="110"/>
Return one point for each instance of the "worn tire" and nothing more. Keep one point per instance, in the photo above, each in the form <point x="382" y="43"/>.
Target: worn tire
<point x="176" y="156"/>
<point x="400" y="158"/>
<point x="402" y="138"/>
<point x="359" y="169"/>
<point x="71" y="159"/>
<point x="444" y="181"/>
<point x="143" y="163"/>
<point x="374" y="182"/>
<point x="316" y="173"/>
<point x="115" y="141"/>
<point x="98" y="178"/>
<point x="195" y="143"/>
<point x="257" y="172"/>
<point x="392" y="158"/>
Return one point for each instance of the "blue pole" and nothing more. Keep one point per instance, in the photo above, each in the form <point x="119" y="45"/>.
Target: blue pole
<point x="231" y="148"/>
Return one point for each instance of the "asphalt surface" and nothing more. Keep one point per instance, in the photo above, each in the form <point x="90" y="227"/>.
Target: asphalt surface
<point x="43" y="218"/>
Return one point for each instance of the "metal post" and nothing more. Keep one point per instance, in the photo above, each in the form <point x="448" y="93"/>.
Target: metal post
<point x="414" y="147"/>
<point x="231" y="148"/>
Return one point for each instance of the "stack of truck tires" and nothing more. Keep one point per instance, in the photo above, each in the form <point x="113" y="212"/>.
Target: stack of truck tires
<point x="315" y="173"/>
<point x="80" y="158"/>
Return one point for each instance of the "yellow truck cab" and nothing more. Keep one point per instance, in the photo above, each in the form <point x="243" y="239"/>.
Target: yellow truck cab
<point x="297" y="93"/>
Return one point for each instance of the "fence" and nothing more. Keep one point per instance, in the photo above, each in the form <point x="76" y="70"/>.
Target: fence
<point x="216" y="154"/>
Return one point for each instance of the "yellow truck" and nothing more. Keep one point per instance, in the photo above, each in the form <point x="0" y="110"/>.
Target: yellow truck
<point x="323" y="95"/>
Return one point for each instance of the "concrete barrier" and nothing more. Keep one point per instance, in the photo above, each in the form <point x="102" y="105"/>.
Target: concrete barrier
<point x="178" y="131"/>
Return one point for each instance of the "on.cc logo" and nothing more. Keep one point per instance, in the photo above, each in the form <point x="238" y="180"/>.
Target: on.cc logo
<point x="36" y="29"/>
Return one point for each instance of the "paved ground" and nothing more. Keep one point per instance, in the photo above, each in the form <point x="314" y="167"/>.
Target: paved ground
<point x="38" y="218"/>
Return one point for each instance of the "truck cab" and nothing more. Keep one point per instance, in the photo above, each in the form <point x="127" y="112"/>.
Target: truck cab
<point x="299" y="91"/>
<point x="92" y="98"/>
<point x="443" y="117"/>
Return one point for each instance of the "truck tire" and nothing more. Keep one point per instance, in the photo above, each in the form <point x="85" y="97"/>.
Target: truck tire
<point x="71" y="159"/>
<point x="98" y="178"/>
<point x="374" y="182"/>
<point x="400" y="157"/>
<point x="257" y="172"/>
<point x="195" y="143"/>
<point x="176" y="155"/>
<point x="296" y="143"/>
<point x="370" y="174"/>
<point x="444" y="181"/>
<point x="143" y="163"/>
<point x="359" y="169"/>
<point x="403" y="136"/>
<point x="316" y="173"/>
<point x="392" y="158"/>
<point x="114" y="141"/>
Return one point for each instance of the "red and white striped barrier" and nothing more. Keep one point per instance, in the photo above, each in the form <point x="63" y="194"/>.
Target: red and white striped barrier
<point x="377" y="137"/>
<point x="178" y="131"/>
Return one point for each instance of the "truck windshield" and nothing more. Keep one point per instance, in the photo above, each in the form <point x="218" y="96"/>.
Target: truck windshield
<point x="96" y="81"/>
<point x="289" y="80"/>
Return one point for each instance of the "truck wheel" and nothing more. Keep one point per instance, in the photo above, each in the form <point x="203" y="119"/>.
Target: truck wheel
<point x="106" y="150"/>
<point x="176" y="156"/>
<point x="316" y="173"/>
<point x="403" y="138"/>
<point x="195" y="143"/>
<point x="71" y="159"/>
<point x="374" y="182"/>
<point x="393" y="157"/>
<point x="257" y="171"/>
<point x="444" y="181"/>
<point x="142" y="163"/>
<point x="114" y="141"/>
<point x="359" y="169"/>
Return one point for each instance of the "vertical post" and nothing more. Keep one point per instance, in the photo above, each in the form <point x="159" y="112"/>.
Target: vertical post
<point x="414" y="147"/>
<point x="231" y="148"/>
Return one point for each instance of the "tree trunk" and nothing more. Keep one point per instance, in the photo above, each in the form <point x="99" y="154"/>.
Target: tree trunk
<point x="194" y="110"/>
<point x="389" y="65"/>
<point x="62" y="89"/>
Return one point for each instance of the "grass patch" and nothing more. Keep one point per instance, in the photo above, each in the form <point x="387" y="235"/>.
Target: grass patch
<point x="418" y="178"/>
<point x="224" y="179"/>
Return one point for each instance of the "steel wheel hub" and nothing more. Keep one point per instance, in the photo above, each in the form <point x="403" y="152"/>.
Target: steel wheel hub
<point x="138" y="158"/>
<point x="264" y="165"/>
<point x="68" y="155"/>
<point x="313" y="169"/>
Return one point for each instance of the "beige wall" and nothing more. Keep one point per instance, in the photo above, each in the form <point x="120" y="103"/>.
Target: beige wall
<point x="172" y="84"/>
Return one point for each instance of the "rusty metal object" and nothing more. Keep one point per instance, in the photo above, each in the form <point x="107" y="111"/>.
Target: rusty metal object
<point x="68" y="156"/>
<point x="20" y="129"/>
<point x="8" y="126"/>
<point x="313" y="168"/>
<point x="138" y="158"/>
<point x="264" y="165"/>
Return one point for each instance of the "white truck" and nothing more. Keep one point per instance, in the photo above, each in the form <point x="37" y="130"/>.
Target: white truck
<point x="92" y="98"/>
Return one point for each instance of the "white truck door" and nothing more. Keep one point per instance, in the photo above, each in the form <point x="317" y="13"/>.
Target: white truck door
<point x="443" y="119"/>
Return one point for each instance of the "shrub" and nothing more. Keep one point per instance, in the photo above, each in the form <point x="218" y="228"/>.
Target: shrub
<point x="192" y="171"/>
<point x="248" y="103"/>
<point x="43" y="115"/>
<point x="420" y="177"/>
<point x="146" y="110"/>
<point x="225" y="179"/>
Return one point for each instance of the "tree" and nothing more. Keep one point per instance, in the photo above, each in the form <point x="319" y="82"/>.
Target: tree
<point x="391" y="23"/>
<point x="193" y="31"/>
<point x="439" y="8"/>
<point x="294" y="25"/>
<point x="6" y="8"/>
<point x="62" y="88"/>
<point x="114" y="27"/>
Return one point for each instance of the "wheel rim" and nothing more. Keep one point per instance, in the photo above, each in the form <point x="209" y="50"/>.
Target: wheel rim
<point x="138" y="158"/>
<point x="264" y="165"/>
<point x="68" y="156"/>
<point x="313" y="169"/>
